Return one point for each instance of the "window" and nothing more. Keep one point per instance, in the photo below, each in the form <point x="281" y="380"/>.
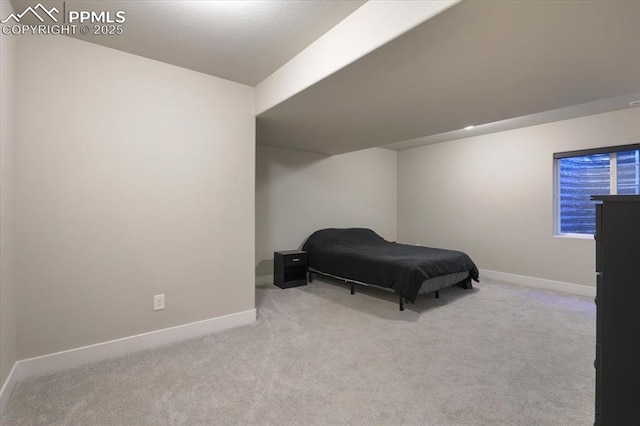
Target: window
<point x="581" y="174"/>
<point x="629" y="172"/>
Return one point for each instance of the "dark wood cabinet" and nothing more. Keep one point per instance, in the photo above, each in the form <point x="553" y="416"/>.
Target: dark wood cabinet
<point x="289" y="268"/>
<point x="617" y="360"/>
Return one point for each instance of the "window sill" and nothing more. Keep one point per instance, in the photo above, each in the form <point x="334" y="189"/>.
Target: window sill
<point x="575" y="236"/>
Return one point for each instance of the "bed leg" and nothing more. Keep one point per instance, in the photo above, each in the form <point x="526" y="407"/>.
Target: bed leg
<point x="466" y="284"/>
<point x="401" y="303"/>
<point x="437" y="295"/>
<point x="353" y="288"/>
<point x="310" y="275"/>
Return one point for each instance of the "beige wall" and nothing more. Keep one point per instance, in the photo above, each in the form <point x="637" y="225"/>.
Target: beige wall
<point x="492" y="195"/>
<point x="298" y="193"/>
<point x="8" y="300"/>
<point x="133" y="178"/>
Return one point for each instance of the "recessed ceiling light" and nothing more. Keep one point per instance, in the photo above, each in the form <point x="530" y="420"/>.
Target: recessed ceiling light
<point x="469" y="127"/>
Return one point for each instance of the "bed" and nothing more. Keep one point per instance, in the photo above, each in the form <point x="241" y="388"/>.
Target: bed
<point x="360" y="256"/>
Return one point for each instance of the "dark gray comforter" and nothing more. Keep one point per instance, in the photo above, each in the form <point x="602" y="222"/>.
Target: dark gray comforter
<point x="362" y="255"/>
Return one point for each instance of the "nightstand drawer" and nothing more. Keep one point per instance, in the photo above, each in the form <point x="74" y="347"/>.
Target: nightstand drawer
<point x="295" y="259"/>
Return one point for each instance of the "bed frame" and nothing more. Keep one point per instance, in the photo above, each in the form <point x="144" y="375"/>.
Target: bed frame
<point x="465" y="283"/>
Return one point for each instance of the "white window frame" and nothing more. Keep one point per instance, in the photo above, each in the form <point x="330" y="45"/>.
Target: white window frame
<point x="613" y="181"/>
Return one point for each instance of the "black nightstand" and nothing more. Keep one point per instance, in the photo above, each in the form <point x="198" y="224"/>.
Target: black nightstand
<point x="289" y="268"/>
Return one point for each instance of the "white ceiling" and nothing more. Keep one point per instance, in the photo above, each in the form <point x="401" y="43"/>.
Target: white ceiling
<point x="477" y="62"/>
<point x="493" y="64"/>
<point x="242" y="41"/>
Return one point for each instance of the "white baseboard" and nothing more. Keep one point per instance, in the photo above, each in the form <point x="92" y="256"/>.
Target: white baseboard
<point x="264" y="279"/>
<point x="577" y="289"/>
<point x="87" y="354"/>
<point x="5" y="392"/>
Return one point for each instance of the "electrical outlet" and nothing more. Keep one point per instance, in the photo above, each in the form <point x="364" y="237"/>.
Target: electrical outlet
<point x="158" y="302"/>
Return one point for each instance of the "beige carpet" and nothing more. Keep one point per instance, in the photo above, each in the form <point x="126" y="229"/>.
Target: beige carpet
<point x="496" y="355"/>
